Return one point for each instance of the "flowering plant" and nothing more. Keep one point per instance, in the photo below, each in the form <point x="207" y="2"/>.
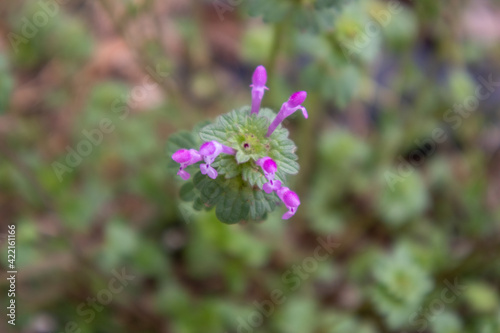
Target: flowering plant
<point x="243" y="159"/>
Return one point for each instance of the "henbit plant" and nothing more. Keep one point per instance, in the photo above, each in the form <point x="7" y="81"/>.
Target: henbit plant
<point x="243" y="157"/>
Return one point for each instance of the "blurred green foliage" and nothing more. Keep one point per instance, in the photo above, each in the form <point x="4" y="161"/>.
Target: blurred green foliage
<point x="399" y="165"/>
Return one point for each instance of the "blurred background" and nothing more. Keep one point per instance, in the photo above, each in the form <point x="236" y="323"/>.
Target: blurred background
<point x="398" y="230"/>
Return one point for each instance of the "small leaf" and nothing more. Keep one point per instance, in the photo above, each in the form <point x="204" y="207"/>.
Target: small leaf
<point x="180" y="140"/>
<point x="260" y="204"/>
<point x="232" y="208"/>
<point x="253" y="176"/>
<point x="227" y="165"/>
<point x="187" y="192"/>
<point x="242" y="157"/>
<point x="198" y="204"/>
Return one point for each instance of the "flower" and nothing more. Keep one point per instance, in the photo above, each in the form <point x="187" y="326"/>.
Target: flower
<point x="186" y="157"/>
<point x="271" y="185"/>
<point x="210" y="150"/>
<point x="269" y="167"/>
<point x="291" y="201"/>
<point x="244" y="129"/>
<point x="288" y="108"/>
<point x="258" y="85"/>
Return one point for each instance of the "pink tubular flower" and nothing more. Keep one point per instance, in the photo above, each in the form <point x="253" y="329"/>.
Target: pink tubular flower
<point x="258" y="85"/>
<point x="185" y="158"/>
<point x="288" y="108"/>
<point x="269" y="167"/>
<point x="271" y="185"/>
<point x="210" y="150"/>
<point x="291" y="201"/>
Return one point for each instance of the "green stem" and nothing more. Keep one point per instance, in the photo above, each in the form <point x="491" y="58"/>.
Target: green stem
<point x="279" y="29"/>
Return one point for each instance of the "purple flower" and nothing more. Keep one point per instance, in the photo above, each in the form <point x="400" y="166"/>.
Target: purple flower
<point x="258" y="85"/>
<point x="289" y="107"/>
<point x="186" y="157"/>
<point x="208" y="169"/>
<point x="271" y="185"/>
<point x="269" y="167"/>
<point x="291" y="201"/>
<point x="210" y="150"/>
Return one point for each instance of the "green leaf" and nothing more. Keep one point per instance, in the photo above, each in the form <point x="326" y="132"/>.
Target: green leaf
<point x="198" y="204"/>
<point x="232" y="208"/>
<point x="260" y="203"/>
<point x="234" y="200"/>
<point x="227" y="165"/>
<point x="254" y="176"/>
<point x="187" y="192"/>
<point x="179" y="141"/>
<point x="242" y="157"/>
<point x="225" y="126"/>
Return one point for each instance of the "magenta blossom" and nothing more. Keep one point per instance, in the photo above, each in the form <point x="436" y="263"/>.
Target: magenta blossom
<point x="271" y="185"/>
<point x="269" y="167"/>
<point x="185" y="158"/>
<point x="291" y="201"/>
<point x="258" y="85"/>
<point x="210" y="150"/>
<point x="288" y="108"/>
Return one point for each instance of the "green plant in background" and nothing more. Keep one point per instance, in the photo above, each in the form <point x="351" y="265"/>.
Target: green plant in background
<point x="253" y="153"/>
<point x="311" y="16"/>
<point x="401" y="287"/>
<point x="6" y="84"/>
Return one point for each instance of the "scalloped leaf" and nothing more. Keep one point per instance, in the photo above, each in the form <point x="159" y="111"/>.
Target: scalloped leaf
<point x="234" y="200"/>
<point x="260" y="204"/>
<point x="232" y="208"/>
<point x="242" y="157"/>
<point x="180" y="140"/>
<point x="188" y="192"/>
<point x="224" y="126"/>
<point x="226" y="165"/>
<point x="254" y="176"/>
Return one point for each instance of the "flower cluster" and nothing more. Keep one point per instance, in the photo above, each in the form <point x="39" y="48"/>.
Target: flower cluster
<point x="258" y="157"/>
<point x="289" y="198"/>
<point x="208" y="152"/>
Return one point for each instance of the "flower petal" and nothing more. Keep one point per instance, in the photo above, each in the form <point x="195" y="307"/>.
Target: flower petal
<point x="272" y="185"/>
<point x="259" y="77"/>
<point x="258" y="85"/>
<point x="212" y="173"/>
<point x="288" y="108"/>
<point x="183" y="174"/>
<point x="289" y="214"/>
<point x="297" y="98"/>
<point x="181" y="156"/>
